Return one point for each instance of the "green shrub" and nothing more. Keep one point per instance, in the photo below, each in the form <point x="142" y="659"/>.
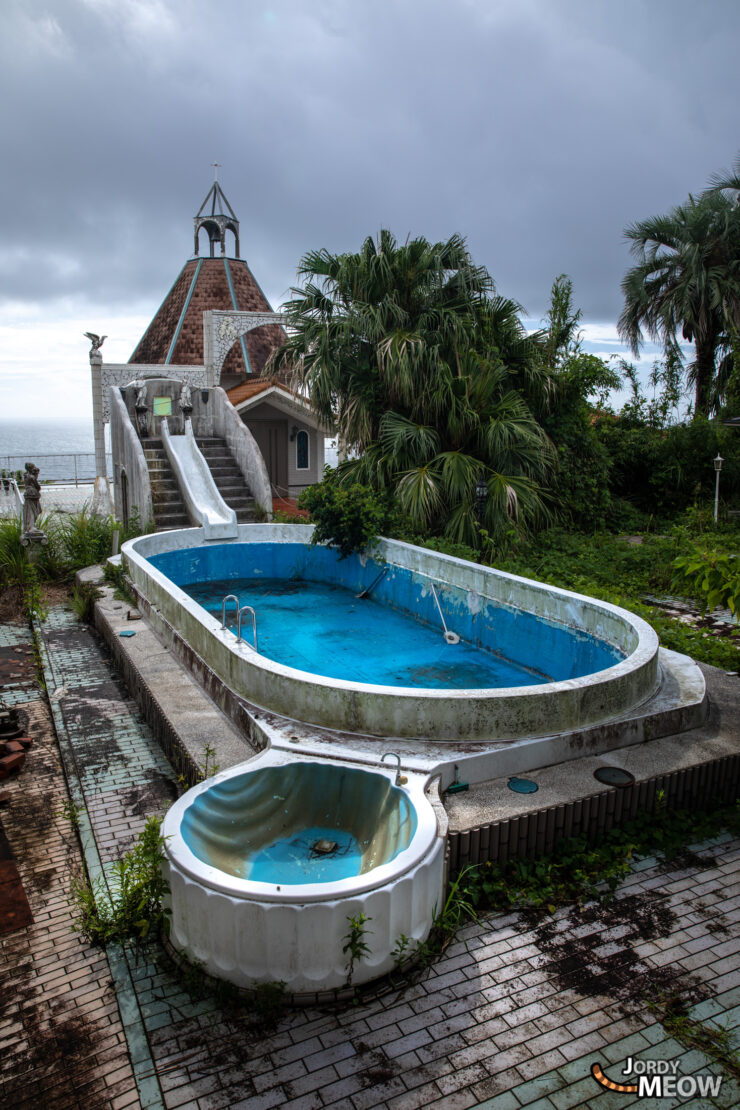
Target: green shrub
<point x="130" y="905"/>
<point x="346" y="516"/>
<point x="14" y="563"/>
<point x="83" y="601"/>
<point x="281" y="517"/>
<point x="710" y="575"/>
<point x="85" y="539"/>
<point x="663" y="470"/>
<point x="578" y="870"/>
<point x="74" y="542"/>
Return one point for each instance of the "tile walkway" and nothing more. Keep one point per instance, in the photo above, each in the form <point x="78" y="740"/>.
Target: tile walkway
<point x="62" y="1042"/>
<point x="512" y="1016"/>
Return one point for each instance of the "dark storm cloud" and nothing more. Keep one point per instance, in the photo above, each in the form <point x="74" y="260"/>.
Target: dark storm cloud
<point x="538" y="129"/>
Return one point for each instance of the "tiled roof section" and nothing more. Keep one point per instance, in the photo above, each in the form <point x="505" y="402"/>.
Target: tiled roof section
<point x="262" y="341"/>
<point x="211" y="291"/>
<point x="245" y="390"/>
<point x="155" y="342"/>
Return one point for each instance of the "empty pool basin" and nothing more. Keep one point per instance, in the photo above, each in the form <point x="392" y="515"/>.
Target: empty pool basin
<point x="268" y="861"/>
<point x="532" y="660"/>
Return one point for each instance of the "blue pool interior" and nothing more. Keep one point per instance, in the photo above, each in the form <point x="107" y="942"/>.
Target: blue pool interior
<point x="309" y="618"/>
<point x="299" y="823"/>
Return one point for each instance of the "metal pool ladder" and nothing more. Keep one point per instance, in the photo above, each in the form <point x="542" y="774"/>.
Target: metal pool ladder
<point x="229" y="597"/>
<point x="246" y="609"/>
<point x="239" y="611"/>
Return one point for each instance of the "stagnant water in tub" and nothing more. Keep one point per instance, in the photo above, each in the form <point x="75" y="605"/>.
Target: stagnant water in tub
<point x="299" y="858"/>
<point x="326" y="630"/>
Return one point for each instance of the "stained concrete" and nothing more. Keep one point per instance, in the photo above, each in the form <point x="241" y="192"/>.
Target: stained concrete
<point x="198" y="721"/>
<point x="719" y="736"/>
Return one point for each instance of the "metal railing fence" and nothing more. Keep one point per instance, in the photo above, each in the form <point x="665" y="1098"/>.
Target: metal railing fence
<point x="77" y="468"/>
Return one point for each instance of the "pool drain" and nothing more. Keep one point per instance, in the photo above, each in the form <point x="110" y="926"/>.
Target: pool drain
<point x="523" y="786"/>
<point x="324" y="847"/>
<point x="614" y="776"/>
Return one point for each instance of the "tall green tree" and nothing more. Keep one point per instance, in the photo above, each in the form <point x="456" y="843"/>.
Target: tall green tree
<point x="581" y="383"/>
<point x="686" y="283"/>
<point x="408" y="353"/>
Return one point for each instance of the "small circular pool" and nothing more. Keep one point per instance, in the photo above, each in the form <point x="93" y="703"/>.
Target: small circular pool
<point x="300" y="823"/>
<point x="269" y="861"/>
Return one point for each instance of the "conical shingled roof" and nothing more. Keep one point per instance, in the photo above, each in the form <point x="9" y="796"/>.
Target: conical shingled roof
<point x="175" y="335"/>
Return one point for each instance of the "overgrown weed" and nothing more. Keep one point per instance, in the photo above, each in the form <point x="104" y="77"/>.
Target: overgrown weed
<point x="130" y="905"/>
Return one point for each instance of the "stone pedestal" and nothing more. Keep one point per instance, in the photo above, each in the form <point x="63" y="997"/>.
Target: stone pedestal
<point x="101" y="501"/>
<point x="34" y="539"/>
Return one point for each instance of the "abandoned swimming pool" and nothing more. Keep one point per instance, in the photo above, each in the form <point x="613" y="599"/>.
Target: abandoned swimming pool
<point x="325" y="628"/>
<point x="579" y="661"/>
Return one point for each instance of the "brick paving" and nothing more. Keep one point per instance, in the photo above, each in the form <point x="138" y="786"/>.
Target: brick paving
<point x="513" y="1015"/>
<point x="62" y="1042"/>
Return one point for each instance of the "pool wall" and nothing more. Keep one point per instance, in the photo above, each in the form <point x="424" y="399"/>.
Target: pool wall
<point x="474" y="596"/>
<point x="253" y="932"/>
<point x="546" y="648"/>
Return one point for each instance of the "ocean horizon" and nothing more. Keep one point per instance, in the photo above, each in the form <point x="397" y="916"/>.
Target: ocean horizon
<point x="23" y="441"/>
<point x="46" y="437"/>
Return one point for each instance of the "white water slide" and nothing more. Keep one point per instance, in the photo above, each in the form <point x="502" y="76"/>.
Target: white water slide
<point x="204" y="503"/>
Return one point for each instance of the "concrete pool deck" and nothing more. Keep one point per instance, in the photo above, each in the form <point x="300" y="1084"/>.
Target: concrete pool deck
<point x="513" y="1015"/>
<point x="701" y="762"/>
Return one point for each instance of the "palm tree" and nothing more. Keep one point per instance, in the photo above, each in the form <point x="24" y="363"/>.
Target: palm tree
<point x="407" y="352"/>
<point x="727" y="182"/>
<point x="687" y="279"/>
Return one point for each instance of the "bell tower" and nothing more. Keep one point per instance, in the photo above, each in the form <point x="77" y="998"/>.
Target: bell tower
<point x="217" y="217"/>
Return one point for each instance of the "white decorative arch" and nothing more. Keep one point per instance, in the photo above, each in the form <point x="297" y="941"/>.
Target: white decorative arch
<point x="222" y="329"/>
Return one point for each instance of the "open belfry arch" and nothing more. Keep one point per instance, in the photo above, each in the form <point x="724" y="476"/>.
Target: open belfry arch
<point x="216" y="216"/>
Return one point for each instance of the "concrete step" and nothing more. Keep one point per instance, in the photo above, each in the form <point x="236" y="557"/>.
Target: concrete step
<point x="233" y="477"/>
<point x="234" y="485"/>
<point x="170" y="498"/>
<point x="171" y="520"/>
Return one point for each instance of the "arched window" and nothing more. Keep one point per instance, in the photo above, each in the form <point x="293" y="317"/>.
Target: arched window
<point x="124" y="498"/>
<point x="301" y="450"/>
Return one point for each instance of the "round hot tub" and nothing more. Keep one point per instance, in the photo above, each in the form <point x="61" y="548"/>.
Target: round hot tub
<point x="270" y="860"/>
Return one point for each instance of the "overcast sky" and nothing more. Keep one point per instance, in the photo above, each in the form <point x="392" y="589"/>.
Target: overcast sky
<point x="538" y="129"/>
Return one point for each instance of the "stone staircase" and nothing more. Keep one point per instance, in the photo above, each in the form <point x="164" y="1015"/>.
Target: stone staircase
<point x="228" y="477"/>
<point x="167" y="503"/>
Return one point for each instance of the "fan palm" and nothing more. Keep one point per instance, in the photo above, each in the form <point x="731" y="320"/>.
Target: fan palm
<point x="409" y="354"/>
<point x="687" y="280"/>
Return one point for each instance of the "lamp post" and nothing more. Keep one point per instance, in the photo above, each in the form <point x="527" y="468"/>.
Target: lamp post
<point x="481" y="496"/>
<point x="717" y="467"/>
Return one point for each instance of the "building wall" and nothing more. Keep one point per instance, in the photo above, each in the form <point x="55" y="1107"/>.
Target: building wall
<point x="296" y="479"/>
